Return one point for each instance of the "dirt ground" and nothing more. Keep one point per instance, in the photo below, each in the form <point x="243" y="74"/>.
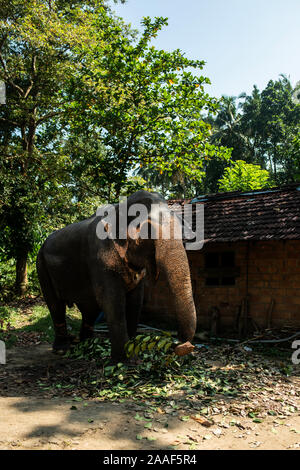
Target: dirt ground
<point x="34" y="418"/>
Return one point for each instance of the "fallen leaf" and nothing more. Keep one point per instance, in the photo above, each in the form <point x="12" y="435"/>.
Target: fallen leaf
<point x="202" y="421"/>
<point x="184" y="418"/>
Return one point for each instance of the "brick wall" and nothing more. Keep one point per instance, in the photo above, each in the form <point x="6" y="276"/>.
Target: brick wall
<point x="273" y="269"/>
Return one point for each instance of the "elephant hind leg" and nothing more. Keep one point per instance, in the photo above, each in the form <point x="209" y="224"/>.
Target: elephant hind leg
<point x="62" y="340"/>
<point x="89" y="315"/>
<point x="56" y="306"/>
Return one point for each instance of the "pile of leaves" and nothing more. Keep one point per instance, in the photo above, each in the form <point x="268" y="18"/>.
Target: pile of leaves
<point x="159" y="373"/>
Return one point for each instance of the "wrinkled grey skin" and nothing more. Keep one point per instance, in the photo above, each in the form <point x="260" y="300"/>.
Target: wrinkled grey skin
<point x="76" y="267"/>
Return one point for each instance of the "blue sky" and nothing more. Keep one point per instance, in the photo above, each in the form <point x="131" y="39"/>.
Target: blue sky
<point x="244" y="42"/>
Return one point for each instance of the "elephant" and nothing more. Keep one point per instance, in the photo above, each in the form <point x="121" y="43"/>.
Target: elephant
<point x="76" y="266"/>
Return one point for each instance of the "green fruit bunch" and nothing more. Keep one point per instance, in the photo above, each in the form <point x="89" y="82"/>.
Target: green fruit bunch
<point x="143" y="343"/>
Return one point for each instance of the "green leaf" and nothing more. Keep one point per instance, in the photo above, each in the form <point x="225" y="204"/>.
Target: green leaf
<point x="184" y="418"/>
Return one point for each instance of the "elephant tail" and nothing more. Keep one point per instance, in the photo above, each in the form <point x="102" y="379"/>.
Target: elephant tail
<point x="46" y="283"/>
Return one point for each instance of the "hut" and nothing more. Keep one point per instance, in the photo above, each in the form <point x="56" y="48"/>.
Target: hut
<point x="247" y="274"/>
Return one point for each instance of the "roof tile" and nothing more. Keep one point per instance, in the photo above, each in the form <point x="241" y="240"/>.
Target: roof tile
<point x="272" y="214"/>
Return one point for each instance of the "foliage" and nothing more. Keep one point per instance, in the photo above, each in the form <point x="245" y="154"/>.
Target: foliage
<point x="227" y="128"/>
<point x="271" y="118"/>
<point x="95" y="111"/>
<point x="7" y="280"/>
<point x="154" y="378"/>
<point x="16" y="322"/>
<point x="37" y="57"/>
<point x="150" y="114"/>
<point x="151" y="347"/>
<point x="192" y="387"/>
<point x="243" y="176"/>
<point x="226" y="131"/>
<point x="148" y="343"/>
<point x="87" y="104"/>
<point x="262" y="129"/>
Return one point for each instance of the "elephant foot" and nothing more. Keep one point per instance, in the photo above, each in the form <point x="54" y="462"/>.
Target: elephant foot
<point x="86" y="332"/>
<point x="63" y="343"/>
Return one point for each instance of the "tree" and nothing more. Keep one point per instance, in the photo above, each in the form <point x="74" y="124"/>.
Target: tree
<point x="87" y="104"/>
<point x="271" y="122"/>
<point x="262" y="129"/>
<point x="227" y="128"/>
<point x="226" y="131"/>
<point x="151" y="114"/>
<point x="243" y="176"/>
<point x="250" y="125"/>
<point x="40" y="44"/>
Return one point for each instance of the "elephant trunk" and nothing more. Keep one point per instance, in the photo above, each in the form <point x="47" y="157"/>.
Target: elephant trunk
<point x="173" y="261"/>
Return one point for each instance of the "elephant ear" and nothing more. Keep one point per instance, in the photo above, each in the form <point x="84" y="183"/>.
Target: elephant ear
<point x="133" y="242"/>
<point x="121" y="246"/>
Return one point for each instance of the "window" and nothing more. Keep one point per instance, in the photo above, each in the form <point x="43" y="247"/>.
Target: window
<point x="220" y="269"/>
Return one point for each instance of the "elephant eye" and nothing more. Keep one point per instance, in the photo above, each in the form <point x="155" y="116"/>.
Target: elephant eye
<point x="133" y="267"/>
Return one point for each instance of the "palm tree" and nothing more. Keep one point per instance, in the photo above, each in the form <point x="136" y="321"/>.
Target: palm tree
<point x="227" y="129"/>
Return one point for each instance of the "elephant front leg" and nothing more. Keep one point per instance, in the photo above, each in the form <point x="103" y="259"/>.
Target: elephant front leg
<point x="115" y="311"/>
<point x="134" y="303"/>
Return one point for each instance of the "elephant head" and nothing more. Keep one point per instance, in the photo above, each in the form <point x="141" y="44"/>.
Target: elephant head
<point x="151" y="248"/>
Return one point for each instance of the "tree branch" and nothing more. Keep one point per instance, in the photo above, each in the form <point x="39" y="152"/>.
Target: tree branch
<point x="3" y="41"/>
<point x="47" y="116"/>
<point x="17" y="87"/>
<point x="13" y="123"/>
<point x="33" y="68"/>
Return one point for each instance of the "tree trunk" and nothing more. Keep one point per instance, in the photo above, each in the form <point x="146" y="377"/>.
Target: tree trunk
<point x="21" y="273"/>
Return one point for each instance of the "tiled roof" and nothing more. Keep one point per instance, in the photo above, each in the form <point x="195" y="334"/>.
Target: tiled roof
<point x="272" y="214"/>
